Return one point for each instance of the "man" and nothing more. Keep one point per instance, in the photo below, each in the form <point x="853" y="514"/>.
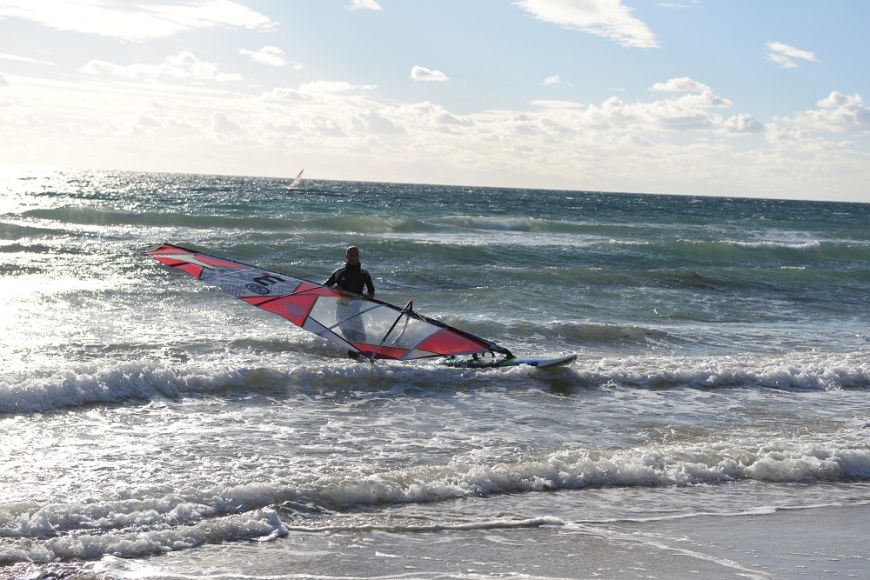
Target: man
<point x="351" y="278"/>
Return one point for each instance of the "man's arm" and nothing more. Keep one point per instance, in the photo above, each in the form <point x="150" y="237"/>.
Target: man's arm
<point x="370" y="286"/>
<point x="332" y="279"/>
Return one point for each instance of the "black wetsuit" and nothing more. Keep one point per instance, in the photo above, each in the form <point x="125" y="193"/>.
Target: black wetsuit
<point x="352" y="279"/>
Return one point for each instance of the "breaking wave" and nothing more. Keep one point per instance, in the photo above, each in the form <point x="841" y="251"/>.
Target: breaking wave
<point x="147" y="381"/>
<point x="140" y="527"/>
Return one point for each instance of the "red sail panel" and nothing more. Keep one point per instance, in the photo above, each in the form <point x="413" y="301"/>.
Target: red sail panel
<point x="294" y="308"/>
<point x="214" y="261"/>
<point x="192" y="269"/>
<point x="445" y="342"/>
<point x="380" y="351"/>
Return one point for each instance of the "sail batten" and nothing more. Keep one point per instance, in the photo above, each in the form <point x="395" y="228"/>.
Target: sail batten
<point x="370" y="327"/>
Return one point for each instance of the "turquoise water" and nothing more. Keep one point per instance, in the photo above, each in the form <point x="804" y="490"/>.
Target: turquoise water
<point x="722" y="368"/>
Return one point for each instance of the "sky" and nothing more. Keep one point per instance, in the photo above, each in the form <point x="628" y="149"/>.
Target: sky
<point x="740" y="98"/>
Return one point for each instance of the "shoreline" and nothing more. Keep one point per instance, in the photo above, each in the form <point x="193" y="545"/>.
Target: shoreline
<point x="812" y="542"/>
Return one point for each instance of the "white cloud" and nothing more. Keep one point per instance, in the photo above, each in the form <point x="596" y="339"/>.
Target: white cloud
<point x="17" y="58"/>
<point x="372" y="121"/>
<point x="431" y="116"/>
<point x="333" y="88"/>
<point x="364" y="5"/>
<point x="691" y="112"/>
<point x="421" y="73"/>
<point x="677" y="5"/>
<point x="606" y="18"/>
<point x="134" y="21"/>
<point x="552" y="80"/>
<point x="3" y="82"/>
<point x="784" y="55"/>
<point x="284" y="94"/>
<point x="225" y="127"/>
<point x="680" y="85"/>
<point x="183" y="66"/>
<point x="837" y="100"/>
<point x="741" y="124"/>
<point x="269" y="55"/>
<point x="671" y="141"/>
<point x="837" y="113"/>
<point x="316" y="92"/>
<point x="699" y="93"/>
<point x="554" y="105"/>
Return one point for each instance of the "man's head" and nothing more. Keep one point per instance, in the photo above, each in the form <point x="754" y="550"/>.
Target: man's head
<point x="352" y="255"/>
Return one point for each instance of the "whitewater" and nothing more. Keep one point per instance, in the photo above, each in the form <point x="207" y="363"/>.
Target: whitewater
<point x="715" y="421"/>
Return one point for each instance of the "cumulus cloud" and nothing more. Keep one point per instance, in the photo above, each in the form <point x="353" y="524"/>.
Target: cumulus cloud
<point x="268" y="55"/>
<point x="742" y="123"/>
<point x="699" y="93"/>
<point x="693" y="108"/>
<point x="680" y="85"/>
<point x="183" y="66"/>
<point x="670" y="140"/>
<point x="364" y="5"/>
<point x="134" y="21"/>
<point x="373" y="121"/>
<point x="609" y="19"/>
<point x="838" y="112"/>
<point x="430" y="115"/>
<point x="552" y="80"/>
<point x="785" y="55"/>
<point x="421" y="73"/>
<point x="838" y="100"/>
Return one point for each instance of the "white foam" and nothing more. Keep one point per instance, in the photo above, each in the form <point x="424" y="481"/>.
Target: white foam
<point x="147" y="381"/>
<point x="130" y="381"/>
<point x="766" y="244"/>
<point x="809" y="371"/>
<point x="804" y="245"/>
<point x="846" y="457"/>
<point x="174" y="510"/>
<point x="261" y="525"/>
<point x="89" y="530"/>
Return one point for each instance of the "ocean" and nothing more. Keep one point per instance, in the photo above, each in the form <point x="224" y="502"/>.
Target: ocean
<point x="715" y="423"/>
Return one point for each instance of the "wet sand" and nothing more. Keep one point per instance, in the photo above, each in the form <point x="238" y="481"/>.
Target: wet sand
<point x="824" y="542"/>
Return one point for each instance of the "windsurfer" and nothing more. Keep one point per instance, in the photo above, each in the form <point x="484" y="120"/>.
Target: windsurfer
<point x="351" y="278"/>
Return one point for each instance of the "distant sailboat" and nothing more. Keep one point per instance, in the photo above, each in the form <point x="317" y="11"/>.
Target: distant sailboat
<point x="296" y="181"/>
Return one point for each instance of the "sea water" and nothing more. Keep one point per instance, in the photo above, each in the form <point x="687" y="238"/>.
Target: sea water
<point x="153" y="426"/>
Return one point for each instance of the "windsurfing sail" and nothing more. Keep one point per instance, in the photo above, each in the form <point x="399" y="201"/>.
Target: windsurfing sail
<point x="296" y="180"/>
<point x="359" y="324"/>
